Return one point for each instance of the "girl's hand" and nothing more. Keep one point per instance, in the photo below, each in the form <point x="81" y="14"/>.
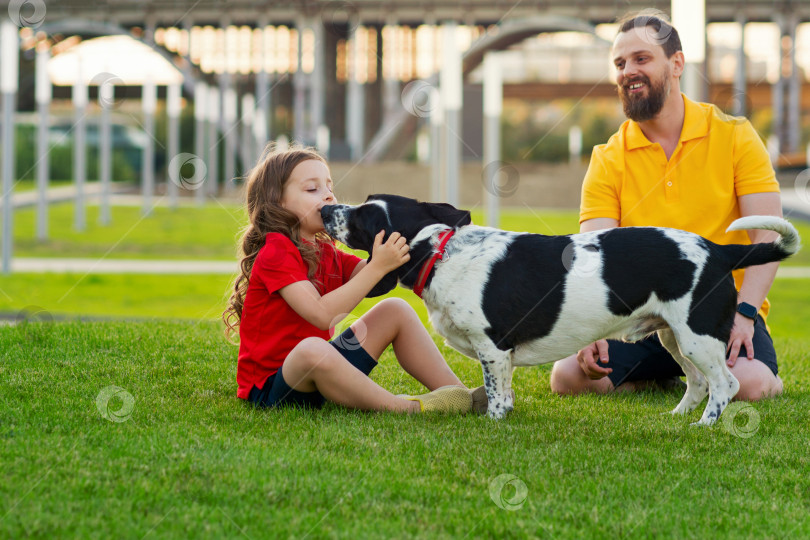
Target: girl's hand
<point x="390" y="255"/>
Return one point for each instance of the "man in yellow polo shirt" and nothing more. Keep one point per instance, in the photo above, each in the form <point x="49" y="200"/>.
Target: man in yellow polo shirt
<point x="681" y="164"/>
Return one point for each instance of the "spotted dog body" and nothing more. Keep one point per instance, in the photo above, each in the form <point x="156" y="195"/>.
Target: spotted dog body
<point x="518" y="299"/>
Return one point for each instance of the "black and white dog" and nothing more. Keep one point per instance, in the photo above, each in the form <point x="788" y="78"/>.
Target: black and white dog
<point x="518" y="299"/>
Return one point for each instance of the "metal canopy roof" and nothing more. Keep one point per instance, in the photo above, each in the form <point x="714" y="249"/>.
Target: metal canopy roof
<point x="216" y="12"/>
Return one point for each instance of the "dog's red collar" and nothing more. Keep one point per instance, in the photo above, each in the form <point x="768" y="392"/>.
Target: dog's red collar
<point x="438" y="253"/>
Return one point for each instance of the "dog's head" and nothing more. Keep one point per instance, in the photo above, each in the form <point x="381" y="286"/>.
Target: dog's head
<point x="356" y="226"/>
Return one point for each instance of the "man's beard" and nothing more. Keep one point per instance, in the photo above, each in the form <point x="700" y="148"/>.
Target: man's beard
<point x="640" y="108"/>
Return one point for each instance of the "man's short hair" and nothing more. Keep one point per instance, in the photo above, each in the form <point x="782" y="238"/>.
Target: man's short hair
<point x="658" y="30"/>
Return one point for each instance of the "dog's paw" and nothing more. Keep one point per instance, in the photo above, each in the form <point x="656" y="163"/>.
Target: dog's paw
<point x="498" y="408"/>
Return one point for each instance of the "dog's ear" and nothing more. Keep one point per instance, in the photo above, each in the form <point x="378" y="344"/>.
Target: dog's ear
<point x="387" y="284"/>
<point x="449" y="214"/>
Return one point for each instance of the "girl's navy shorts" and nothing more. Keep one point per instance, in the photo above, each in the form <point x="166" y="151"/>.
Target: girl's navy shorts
<point x="648" y="360"/>
<point x="276" y="392"/>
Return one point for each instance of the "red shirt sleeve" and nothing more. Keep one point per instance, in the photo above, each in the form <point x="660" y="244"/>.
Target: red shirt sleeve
<point x="279" y="263"/>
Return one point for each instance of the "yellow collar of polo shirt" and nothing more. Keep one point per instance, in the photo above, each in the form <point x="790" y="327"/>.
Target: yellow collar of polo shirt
<point x="695" y="124"/>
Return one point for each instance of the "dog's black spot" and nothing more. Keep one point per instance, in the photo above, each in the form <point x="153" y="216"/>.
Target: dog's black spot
<point x="714" y="300"/>
<point x="525" y="290"/>
<point x="640" y="261"/>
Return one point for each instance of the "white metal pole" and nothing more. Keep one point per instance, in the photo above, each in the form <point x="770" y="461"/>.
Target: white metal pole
<point x="263" y="93"/>
<point x="106" y="93"/>
<point x="689" y="18"/>
<point x="173" y="95"/>
<point x="229" y="116"/>
<point x="322" y="140"/>
<point x="574" y="145"/>
<point x="149" y="103"/>
<point x="200" y="115"/>
<point x="247" y="147"/>
<point x="451" y="89"/>
<point x="43" y="93"/>
<point x="80" y="145"/>
<point x="741" y="73"/>
<point x="300" y="84"/>
<point x="213" y="140"/>
<point x="260" y="132"/>
<point x="318" y="87"/>
<point x="9" y="55"/>
<point x="493" y="105"/>
<point x="437" y="187"/>
<point x="355" y="96"/>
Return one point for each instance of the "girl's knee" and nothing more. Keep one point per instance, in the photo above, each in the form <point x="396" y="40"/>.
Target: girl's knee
<point x="397" y="305"/>
<point x="309" y="354"/>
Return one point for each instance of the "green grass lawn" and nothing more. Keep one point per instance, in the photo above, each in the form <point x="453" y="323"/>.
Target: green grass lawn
<point x="209" y="232"/>
<point x="212" y="232"/>
<point x="188" y="459"/>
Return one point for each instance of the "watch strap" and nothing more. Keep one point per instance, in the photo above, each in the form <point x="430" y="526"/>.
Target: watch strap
<point x="747" y="310"/>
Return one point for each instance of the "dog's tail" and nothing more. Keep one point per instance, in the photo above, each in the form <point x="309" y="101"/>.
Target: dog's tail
<point x="742" y="256"/>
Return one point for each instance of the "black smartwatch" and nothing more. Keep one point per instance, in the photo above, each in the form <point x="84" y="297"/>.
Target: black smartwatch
<point x="747" y="310"/>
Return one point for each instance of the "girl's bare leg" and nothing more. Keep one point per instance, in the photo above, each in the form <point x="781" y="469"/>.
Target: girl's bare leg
<point x="314" y="364"/>
<point x="393" y="321"/>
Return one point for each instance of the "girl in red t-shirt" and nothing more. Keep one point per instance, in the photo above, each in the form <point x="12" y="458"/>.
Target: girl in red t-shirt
<point x="295" y="286"/>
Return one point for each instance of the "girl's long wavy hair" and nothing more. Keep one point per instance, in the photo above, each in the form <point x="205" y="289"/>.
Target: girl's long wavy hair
<point x="264" y="189"/>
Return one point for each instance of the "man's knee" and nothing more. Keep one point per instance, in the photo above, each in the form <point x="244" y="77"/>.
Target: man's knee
<point x="567" y="377"/>
<point x="757" y="381"/>
<point x="757" y="389"/>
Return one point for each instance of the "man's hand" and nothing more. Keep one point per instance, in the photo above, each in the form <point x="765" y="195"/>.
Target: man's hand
<point x="742" y="333"/>
<point x="390" y="255"/>
<point x="587" y="359"/>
